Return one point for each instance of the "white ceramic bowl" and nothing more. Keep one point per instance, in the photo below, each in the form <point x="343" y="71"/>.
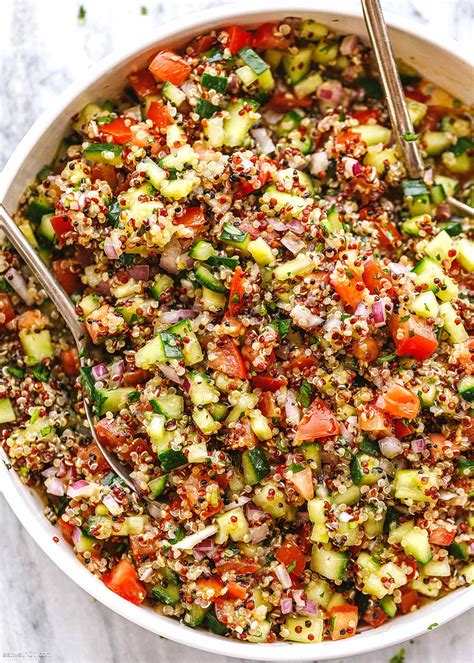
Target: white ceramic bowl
<point x="439" y="60"/>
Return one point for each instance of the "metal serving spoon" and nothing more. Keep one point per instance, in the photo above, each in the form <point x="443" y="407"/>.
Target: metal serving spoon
<point x="394" y="95"/>
<point x="68" y="312"/>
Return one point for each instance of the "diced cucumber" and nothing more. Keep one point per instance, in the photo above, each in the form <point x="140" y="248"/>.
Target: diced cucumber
<point x="415" y="542"/>
<point x="449" y="184"/>
<point x="453" y="227"/>
<point x="375" y="587"/>
<point x="299" y="266"/>
<point x="349" y="497"/>
<point x="242" y="115"/>
<point x="171" y="406"/>
<point x="425" y="305"/>
<point x="436" y="142"/>
<point x="202" y="391"/>
<point x="438" y="568"/>
<point x="437" y="194"/>
<point x="160" y="285"/>
<point x="427" y="586"/>
<point x="389" y="606"/>
<point x="439" y="247"/>
<point x="465" y="254"/>
<point x="213" y="129"/>
<point x="261" y="632"/>
<point x="420" y="204"/>
<point x="178" y="189"/>
<point x="307" y="629"/>
<point x="466" y="388"/>
<point x="215" y="625"/>
<point x="319" y="591"/>
<point x="415" y="485"/>
<point x="260" y="425"/>
<point x="255" y="465"/>
<point x="328" y="562"/>
<point x="460" y="550"/>
<point x="183" y="157"/>
<point x="231" y="524"/>
<point x="112" y="400"/>
<point x="219" y="411"/>
<point x="414" y="225"/>
<point x="427" y="270"/>
<point x="312" y="453"/>
<point x="297" y="65"/>
<point x="380" y="159"/>
<point x="266" y="82"/>
<point x="373" y="134"/>
<point x="27" y="230"/>
<point x="308" y="85"/>
<point x="373" y="527"/>
<point x="468" y="573"/>
<point x="46" y="230"/>
<point x="289" y="122"/>
<point x="163" y="347"/>
<point x="396" y="534"/>
<point x="157" y="486"/>
<point x="246" y="75"/>
<point x="170" y="459"/>
<point x="427" y="394"/>
<point x="84" y="543"/>
<point x="191" y="348"/>
<point x="271" y="499"/>
<point x="7" y="414"/>
<point x="173" y="94"/>
<point x="207" y="279"/>
<point x="452" y="324"/>
<point x="312" y="30"/>
<point x="205" y="109"/>
<point x="202" y="250"/>
<point x="365" y="470"/>
<point x="461" y="164"/>
<point x="167" y="593"/>
<point x="261" y="252"/>
<point x="235" y="237"/>
<point x="153" y="172"/>
<point x="107" y="153"/>
<point x="416" y="111"/>
<point x="196" y="615"/>
<point x="37" y="345"/>
<point x="205" y="422"/>
<point x="38" y="207"/>
<point x="325" y="52"/>
<point x="197" y="452"/>
<point x="288" y="204"/>
<point x="213" y="301"/>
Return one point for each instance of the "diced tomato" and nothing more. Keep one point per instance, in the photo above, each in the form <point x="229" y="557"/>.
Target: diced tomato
<point x="268" y="406"/>
<point x="301" y="362"/>
<point x="254" y="357"/>
<point x="66" y="530"/>
<point x="93" y="457"/>
<point x="70" y="362"/>
<point x="440" y="536"/>
<point x="413" y="336"/>
<point x="416" y="95"/>
<point x="364" y="116"/>
<point x="192" y="217"/>
<point x="158" y="114"/>
<point x="241" y="435"/>
<point x="236" y="591"/>
<point x="267" y="382"/>
<point x="317" y="422"/>
<point x="105" y="172"/>
<point x="389" y="235"/>
<point x="118" y="131"/>
<point x="373" y="420"/>
<point x="200" y="485"/>
<point x="225" y="611"/>
<point x="202" y="44"/>
<point x="64" y="271"/>
<point x="143" y="547"/>
<point x="112" y="433"/>
<point x="349" y="286"/>
<point x="374" y="616"/>
<point x="238" y="568"/>
<point x="169" y="67"/>
<point x="31" y="319"/>
<point x="303" y="483"/>
<point x="263" y="175"/>
<point x="233" y="327"/>
<point x="399" y="402"/>
<point x="267" y="36"/>
<point x="283" y="101"/>
<point x="291" y="556"/>
<point x="237" y="291"/>
<point x="123" y="580"/>
<point x="402" y="429"/>
<point x="366" y="349"/>
<point x="134" y="377"/>
<point x="377" y="280"/>
<point x="142" y="82"/>
<point x="7" y="311"/>
<point x="343" y="621"/>
<point x="346" y="141"/>
<point x="409" y="599"/>
<point x="211" y="587"/>
<point x="61" y="225"/>
<point x="238" y="38"/>
<point x="228" y="359"/>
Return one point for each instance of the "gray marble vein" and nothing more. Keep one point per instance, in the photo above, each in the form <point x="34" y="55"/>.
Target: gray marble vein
<point x="44" y="616"/>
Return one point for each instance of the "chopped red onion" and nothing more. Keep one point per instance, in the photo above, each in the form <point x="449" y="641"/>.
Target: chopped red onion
<point x="171" y="317"/>
<point x="331" y="92"/>
<point x="154" y="509"/>
<point x="103" y="288"/>
<point x="54" y="486"/>
<point x="292" y="411"/>
<point x="264" y="143"/>
<point x="390" y="446"/>
<point x="279" y="226"/>
<point x="139" y="272"/>
<point x="76" y="535"/>
<point x="259" y="533"/>
<point x="170" y="255"/>
<point x="349" y="44"/>
<point x="286" y="606"/>
<point x="18" y="283"/>
<point x="49" y="472"/>
<point x="471" y="548"/>
<point x="116" y="372"/>
<point x="418" y="446"/>
<point x="296" y="226"/>
<point x="380" y="316"/>
<point x="292" y="243"/>
<point x="319" y="162"/>
<point x="206" y="548"/>
<point x="253" y="513"/>
<point x="272" y="117"/>
<point x="302" y="317"/>
<point x="112" y="248"/>
<point x="283" y="576"/>
<point x="82" y="488"/>
<point x="100" y="371"/>
<point x="240" y="501"/>
<point x="169" y="372"/>
<point x="362" y="311"/>
<point x="297" y="595"/>
<point x="191" y="541"/>
<point x="397" y="268"/>
<point x="345" y="434"/>
<point x="112" y="505"/>
<point x="310" y="608"/>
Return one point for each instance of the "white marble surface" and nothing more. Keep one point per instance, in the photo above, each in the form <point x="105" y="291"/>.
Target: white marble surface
<point x="43" y="615"/>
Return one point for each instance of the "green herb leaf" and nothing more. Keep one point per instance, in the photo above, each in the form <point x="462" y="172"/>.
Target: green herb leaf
<point x="399" y="657"/>
<point x="179" y="535"/>
<point x="291" y="567"/>
<point x="16" y="372"/>
<point x="82" y="13"/>
<point x="143" y="10"/>
<point x="409" y="137"/>
<point x="305" y="394"/>
<point x="41" y="373"/>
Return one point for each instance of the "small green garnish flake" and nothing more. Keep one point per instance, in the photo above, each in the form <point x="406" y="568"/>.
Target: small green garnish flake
<point x="410" y="137"/>
<point x="133" y="397"/>
<point x="41" y="373"/>
<point x="432" y="626"/>
<point x="16" y="372"/>
<point x="399" y="657"/>
<point x="81" y="15"/>
<point x="305" y="393"/>
<point x="178" y="535"/>
<point x="387" y="358"/>
<point x="34" y="416"/>
<point x="143" y="10"/>
<point x="291" y="567"/>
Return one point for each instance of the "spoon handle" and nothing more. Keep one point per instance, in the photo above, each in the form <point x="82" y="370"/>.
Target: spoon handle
<point x="394" y="95"/>
<point x="44" y="276"/>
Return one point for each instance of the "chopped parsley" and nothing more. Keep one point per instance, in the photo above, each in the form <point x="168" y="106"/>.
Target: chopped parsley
<point x="399" y="657"/>
<point x="82" y="13"/>
<point x="410" y="137"/>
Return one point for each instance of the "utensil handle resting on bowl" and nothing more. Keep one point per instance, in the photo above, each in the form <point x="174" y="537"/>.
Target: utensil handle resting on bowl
<point x="54" y="291"/>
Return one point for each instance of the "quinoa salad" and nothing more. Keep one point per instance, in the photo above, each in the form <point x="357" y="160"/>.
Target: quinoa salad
<point x="284" y="320"/>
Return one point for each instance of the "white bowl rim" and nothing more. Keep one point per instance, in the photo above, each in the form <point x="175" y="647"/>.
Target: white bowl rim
<point x="401" y="629"/>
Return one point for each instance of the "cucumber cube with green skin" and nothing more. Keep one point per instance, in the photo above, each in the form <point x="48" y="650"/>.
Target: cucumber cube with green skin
<point x="415" y="485"/>
<point x="7" y="414"/>
<point x="242" y="115"/>
<point x="425" y="305"/>
<point x="466" y="388"/>
<point x="207" y="279"/>
<point x="429" y="587"/>
<point x="171" y="406"/>
<point x="255" y="465"/>
<point x="246" y="75"/>
<point x="449" y="184"/>
<point x="153" y="172"/>
<point x="157" y="486"/>
<point x="231" y="524"/>
<point x="273" y="57"/>
<point x="167" y="593"/>
<point x="282" y="202"/>
<point x="215" y="625"/>
<point x="437" y="568"/>
<point x="219" y="411"/>
<point x="107" y="153"/>
<point x="389" y="606"/>
<point x="197" y="452"/>
<point x="173" y="94"/>
<point x="373" y="134"/>
<point x="195" y="615"/>
<point x="325" y="52"/>
<point x="213" y="301"/>
<point x="261" y="632"/>
<point x="468" y="573"/>
<point x="373" y="527"/>
<point x="261" y="252"/>
<point x="416" y="543"/>
<point x="329" y="563"/>
<point x="416" y="110"/>
<point x="438" y="194"/>
<point x="312" y="30"/>
<point x="312" y="453"/>
<point x="396" y="534"/>
<point x="420" y="205"/>
<point x="205" y="422"/>
<point x="307" y="85"/>
<point x="46" y="230"/>
<point x="38" y="207"/>
<point x="202" y="250"/>
<point x="466" y="469"/>
<point x="365" y="470"/>
<point x="426" y="271"/>
<point x="191" y="348"/>
<point x="235" y="237"/>
<point x="465" y="254"/>
<point x="37" y="346"/>
<point x="452" y="324"/>
<point x="170" y="459"/>
<point x="374" y="584"/>
<point x="161" y="348"/>
<point x="299" y="266"/>
<point x="161" y="284"/>
<point x="271" y="499"/>
<point x="307" y="629"/>
<point x="112" y="400"/>
<point x="84" y="544"/>
<point x="415" y="224"/>
<point x="350" y="497"/>
<point x="297" y="65"/>
<point x="319" y="591"/>
<point x="435" y="142"/>
<point x="460" y="550"/>
<point x="202" y="391"/>
<point x="440" y="246"/>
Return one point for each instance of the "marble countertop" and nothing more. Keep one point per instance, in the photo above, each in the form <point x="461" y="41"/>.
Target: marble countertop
<point x="44" y="615"/>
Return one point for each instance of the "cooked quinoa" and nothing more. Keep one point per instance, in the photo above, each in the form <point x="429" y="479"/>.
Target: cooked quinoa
<point x="284" y="319"/>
